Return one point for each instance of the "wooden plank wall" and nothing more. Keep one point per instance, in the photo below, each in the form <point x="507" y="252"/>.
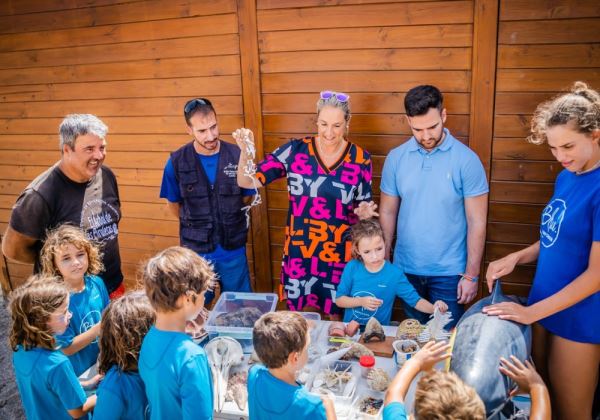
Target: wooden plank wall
<point x="374" y="52"/>
<point x="543" y="46"/>
<point x="134" y="64"/>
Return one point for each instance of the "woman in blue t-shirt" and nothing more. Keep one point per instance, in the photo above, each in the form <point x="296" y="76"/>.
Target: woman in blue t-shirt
<point x="564" y="301"/>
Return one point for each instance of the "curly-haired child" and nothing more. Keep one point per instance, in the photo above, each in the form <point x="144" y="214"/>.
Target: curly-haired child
<point x="125" y="322"/>
<point x="45" y="378"/>
<point x="174" y="369"/>
<point x="67" y="253"/>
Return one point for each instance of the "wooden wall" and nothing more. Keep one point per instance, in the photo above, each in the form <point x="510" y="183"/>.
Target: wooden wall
<point x="134" y="63"/>
<point x="543" y="46"/>
<point x="374" y="52"/>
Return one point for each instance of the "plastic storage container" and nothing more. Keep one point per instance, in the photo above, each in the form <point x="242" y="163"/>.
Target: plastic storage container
<point x="235" y="313"/>
<point x="343" y="396"/>
<point x="356" y="413"/>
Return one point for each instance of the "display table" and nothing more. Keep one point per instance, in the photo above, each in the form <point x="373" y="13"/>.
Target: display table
<point x="231" y="411"/>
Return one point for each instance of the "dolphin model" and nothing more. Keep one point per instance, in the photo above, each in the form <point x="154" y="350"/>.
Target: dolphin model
<point x="479" y="342"/>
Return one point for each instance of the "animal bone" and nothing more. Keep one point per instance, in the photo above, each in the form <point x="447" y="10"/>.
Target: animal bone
<point x="237" y="389"/>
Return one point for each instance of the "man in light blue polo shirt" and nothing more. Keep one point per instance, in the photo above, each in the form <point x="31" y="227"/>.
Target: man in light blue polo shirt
<point x="434" y="195"/>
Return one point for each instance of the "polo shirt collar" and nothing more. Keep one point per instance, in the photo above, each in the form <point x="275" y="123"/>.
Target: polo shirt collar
<point x="413" y="145"/>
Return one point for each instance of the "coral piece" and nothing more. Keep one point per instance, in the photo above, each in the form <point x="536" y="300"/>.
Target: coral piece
<point x="237" y="389"/>
<point x="337" y="329"/>
<point x="333" y="380"/>
<point x="356" y="350"/>
<point x="373" y="331"/>
<point x="352" y="328"/>
<point x="409" y="329"/>
<point x="378" y="379"/>
<point x="370" y="405"/>
<point x="243" y="317"/>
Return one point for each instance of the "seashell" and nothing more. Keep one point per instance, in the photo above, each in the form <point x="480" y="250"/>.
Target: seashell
<point x="373" y="331"/>
<point x="378" y="379"/>
<point x="356" y="350"/>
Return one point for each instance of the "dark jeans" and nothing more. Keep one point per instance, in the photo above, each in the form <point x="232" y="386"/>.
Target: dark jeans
<point x="435" y="288"/>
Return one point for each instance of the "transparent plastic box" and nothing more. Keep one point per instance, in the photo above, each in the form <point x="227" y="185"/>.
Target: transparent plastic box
<point x="357" y="414"/>
<point x="235" y="313"/>
<point x="342" y="400"/>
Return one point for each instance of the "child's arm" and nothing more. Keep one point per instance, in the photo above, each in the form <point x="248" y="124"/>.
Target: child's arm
<point x="329" y="408"/>
<point x="370" y="303"/>
<point x="82" y="340"/>
<point x="529" y="381"/>
<point x="424" y="359"/>
<point x="88" y="406"/>
<point x="344" y="291"/>
<point x="425" y="306"/>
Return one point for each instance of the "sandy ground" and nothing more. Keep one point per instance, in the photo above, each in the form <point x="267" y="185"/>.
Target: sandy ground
<point x="10" y="401"/>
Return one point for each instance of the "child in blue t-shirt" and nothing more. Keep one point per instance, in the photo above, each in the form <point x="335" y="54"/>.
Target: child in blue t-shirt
<point x="174" y="369"/>
<point x="70" y="255"/>
<point x="370" y="284"/>
<point x="45" y="378"/>
<point x="281" y="342"/>
<point x="121" y="394"/>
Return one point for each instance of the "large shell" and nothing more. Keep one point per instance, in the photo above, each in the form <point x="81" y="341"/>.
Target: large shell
<point x="378" y="379"/>
<point x="356" y="350"/>
<point x="373" y="331"/>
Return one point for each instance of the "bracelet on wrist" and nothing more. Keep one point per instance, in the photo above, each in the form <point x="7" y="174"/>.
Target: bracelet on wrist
<point x="465" y="276"/>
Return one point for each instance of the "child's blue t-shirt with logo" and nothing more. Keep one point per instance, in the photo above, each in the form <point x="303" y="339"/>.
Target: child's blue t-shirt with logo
<point x="570" y="224"/>
<point x="86" y="307"/>
<point x="385" y="284"/>
<point x="47" y="384"/>
<point x="121" y="395"/>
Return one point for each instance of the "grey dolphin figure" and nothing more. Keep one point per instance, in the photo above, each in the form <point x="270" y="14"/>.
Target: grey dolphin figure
<point x="479" y="343"/>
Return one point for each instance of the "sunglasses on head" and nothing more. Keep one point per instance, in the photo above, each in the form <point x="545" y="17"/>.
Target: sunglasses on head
<point x="195" y="103"/>
<point x="342" y="97"/>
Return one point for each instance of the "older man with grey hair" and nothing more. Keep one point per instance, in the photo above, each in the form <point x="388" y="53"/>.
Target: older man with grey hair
<point x="77" y="190"/>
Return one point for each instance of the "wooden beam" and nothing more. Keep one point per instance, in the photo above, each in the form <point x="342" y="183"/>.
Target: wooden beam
<point x="485" y="35"/>
<point x="251" y="96"/>
<point x="483" y="78"/>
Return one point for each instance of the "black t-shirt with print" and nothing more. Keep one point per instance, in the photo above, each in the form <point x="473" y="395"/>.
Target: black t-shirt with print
<point x="53" y="199"/>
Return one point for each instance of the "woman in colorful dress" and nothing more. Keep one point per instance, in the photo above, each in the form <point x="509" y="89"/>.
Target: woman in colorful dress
<point x="564" y="302"/>
<point x="329" y="188"/>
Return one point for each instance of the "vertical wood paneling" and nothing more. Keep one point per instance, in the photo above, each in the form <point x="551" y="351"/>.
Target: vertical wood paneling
<point x="132" y="63"/>
<point x="371" y="50"/>
<point x="253" y="120"/>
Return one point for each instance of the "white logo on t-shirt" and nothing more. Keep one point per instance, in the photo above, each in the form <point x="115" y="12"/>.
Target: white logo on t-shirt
<point x="88" y="321"/>
<point x="361" y="313"/>
<point x="552" y="217"/>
